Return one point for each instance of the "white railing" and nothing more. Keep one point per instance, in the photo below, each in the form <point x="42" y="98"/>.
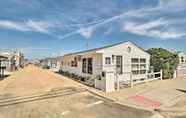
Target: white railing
<point x="135" y="79"/>
<point x="149" y="77"/>
<point x="154" y="75"/>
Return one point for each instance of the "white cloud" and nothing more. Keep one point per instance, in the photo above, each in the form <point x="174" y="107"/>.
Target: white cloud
<point x="170" y="27"/>
<point x="30" y="25"/>
<point x="172" y="4"/>
<point x="87" y="29"/>
<point x="153" y="29"/>
<point x="33" y="49"/>
<point x="13" y="25"/>
<point x="86" y="32"/>
<point x="39" y="26"/>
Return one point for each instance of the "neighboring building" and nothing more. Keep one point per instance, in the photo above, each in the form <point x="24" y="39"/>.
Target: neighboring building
<point x="2" y="68"/>
<point x="181" y="69"/>
<point x="14" y="60"/>
<point x="182" y="58"/>
<point x="50" y="63"/>
<point x="122" y="59"/>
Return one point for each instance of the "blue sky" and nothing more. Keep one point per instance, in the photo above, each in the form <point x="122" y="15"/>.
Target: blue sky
<point x="45" y="28"/>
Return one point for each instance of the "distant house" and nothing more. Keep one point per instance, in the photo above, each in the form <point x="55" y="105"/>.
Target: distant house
<point x="182" y="58"/>
<point x="50" y="63"/>
<point x="121" y="58"/>
<point x="181" y="69"/>
<point x="15" y="59"/>
<point x="2" y="68"/>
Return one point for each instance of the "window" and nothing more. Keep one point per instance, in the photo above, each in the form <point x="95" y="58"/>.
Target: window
<point x="142" y="60"/>
<point x="142" y="71"/>
<point x="74" y="62"/>
<point x="87" y="66"/>
<point x="142" y="66"/>
<point x="90" y="65"/>
<point x="135" y="60"/>
<point x="135" y="66"/>
<point x="182" y="59"/>
<point x="138" y="66"/>
<point x="119" y="64"/>
<point x="135" y="72"/>
<point x="107" y="60"/>
<point x="84" y="66"/>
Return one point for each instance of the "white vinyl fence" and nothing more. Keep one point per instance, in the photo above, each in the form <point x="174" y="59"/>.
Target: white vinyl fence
<point x="134" y="80"/>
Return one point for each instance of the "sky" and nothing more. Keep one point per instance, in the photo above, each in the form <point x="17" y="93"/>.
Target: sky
<point x="48" y="28"/>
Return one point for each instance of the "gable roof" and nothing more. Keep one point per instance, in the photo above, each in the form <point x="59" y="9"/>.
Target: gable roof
<point x="104" y="47"/>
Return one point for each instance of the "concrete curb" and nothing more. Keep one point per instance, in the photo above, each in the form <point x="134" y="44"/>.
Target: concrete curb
<point x="120" y="103"/>
<point x="170" y="110"/>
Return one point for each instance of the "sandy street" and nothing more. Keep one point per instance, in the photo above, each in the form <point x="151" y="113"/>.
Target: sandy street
<point x="37" y="93"/>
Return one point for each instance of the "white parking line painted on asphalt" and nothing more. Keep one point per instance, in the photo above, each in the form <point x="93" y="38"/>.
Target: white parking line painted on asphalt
<point x="65" y="112"/>
<point x="93" y="104"/>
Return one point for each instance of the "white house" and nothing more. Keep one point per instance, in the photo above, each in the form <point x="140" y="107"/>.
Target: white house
<point x="14" y="60"/>
<point x="181" y="69"/>
<point x="122" y="59"/>
<point x="182" y="58"/>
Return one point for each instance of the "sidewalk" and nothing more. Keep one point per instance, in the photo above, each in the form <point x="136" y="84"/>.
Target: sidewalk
<point x="149" y="96"/>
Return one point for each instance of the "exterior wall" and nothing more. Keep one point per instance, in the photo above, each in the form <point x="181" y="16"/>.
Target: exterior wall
<point x="97" y="64"/>
<point x="123" y="51"/>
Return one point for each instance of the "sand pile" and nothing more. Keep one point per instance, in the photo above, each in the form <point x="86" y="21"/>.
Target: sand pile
<point x="33" y="79"/>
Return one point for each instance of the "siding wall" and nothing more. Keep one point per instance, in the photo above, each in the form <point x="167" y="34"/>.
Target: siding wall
<point x="123" y="50"/>
<point x="99" y="60"/>
<point x="97" y="64"/>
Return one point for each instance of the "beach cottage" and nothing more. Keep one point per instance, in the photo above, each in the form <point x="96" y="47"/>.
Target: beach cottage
<point x="121" y="59"/>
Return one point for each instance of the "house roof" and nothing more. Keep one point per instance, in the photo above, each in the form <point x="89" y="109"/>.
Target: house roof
<point x="108" y="46"/>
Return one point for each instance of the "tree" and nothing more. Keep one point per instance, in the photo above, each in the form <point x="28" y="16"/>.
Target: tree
<point x="165" y="60"/>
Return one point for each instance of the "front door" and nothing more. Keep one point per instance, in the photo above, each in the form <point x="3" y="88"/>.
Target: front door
<point x="119" y="64"/>
<point x="90" y="66"/>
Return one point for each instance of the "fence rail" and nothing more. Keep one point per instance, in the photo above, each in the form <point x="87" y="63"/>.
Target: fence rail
<point x="133" y="81"/>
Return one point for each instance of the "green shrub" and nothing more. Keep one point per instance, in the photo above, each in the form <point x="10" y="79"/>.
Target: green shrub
<point x="165" y="60"/>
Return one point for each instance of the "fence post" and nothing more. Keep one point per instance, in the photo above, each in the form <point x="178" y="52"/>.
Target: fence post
<point x="146" y="74"/>
<point x="117" y="81"/>
<point x="161" y="74"/>
<point x="131" y="80"/>
<point x="175" y="74"/>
